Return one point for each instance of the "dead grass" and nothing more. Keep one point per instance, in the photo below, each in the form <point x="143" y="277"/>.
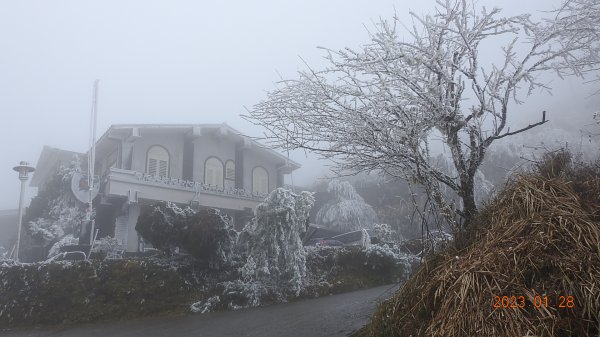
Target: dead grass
<point x="539" y="237"/>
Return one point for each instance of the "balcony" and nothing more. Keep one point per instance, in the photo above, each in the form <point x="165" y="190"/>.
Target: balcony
<point x="140" y="186"/>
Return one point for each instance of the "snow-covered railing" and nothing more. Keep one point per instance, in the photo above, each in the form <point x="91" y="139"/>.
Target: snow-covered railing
<point x="196" y="186"/>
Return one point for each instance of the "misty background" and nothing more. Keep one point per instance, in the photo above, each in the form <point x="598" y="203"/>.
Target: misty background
<point x="181" y="62"/>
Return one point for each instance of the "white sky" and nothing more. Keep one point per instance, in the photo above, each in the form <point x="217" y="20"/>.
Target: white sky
<point x="166" y="62"/>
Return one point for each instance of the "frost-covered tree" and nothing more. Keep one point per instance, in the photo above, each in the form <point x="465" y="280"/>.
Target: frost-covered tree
<point x="379" y="106"/>
<point x="347" y="211"/>
<point x="276" y="257"/>
<point x="55" y="212"/>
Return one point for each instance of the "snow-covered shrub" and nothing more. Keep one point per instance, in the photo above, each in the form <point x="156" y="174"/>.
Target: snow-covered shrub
<point x="67" y="240"/>
<point x="347" y="211"/>
<point x="163" y="225"/>
<point x="108" y="246"/>
<point x="205" y="234"/>
<point x="384" y="232"/>
<point x="46" y="230"/>
<point x="203" y="307"/>
<point x="276" y="257"/>
<point x="239" y="294"/>
<point x="209" y="235"/>
<point x="4" y="254"/>
<point x="382" y="256"/>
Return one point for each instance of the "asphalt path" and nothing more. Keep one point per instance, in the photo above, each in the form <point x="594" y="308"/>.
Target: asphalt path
<point x="331" y="316"/>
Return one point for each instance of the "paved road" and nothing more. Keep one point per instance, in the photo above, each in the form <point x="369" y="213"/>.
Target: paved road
<point x="330" y="316"/>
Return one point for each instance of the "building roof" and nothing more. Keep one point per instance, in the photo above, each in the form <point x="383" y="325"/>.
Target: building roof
<point x="50" y="159"/>
<point x="124" y="131"/>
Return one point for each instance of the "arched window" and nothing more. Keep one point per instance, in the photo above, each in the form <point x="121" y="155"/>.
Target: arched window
<point x="158" y="161"/>
<point x="213" y="172"/>
<point x="260" y="180"/>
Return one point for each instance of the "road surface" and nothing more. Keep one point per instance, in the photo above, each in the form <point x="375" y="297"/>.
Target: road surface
<point x="331" y="316"/>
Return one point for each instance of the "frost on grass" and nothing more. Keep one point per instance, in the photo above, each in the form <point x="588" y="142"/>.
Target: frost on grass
<point x="276" y="259"/>
<point x="347" y="211"/>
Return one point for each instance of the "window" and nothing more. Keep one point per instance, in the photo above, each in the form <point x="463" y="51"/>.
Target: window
<point x="230" y="170"/>
<point x="158" y="161"/>
<point x="213" y="172"/>
<point x="260" y="180"/>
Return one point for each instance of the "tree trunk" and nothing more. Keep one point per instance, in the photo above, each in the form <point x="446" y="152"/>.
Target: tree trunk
<point x="469" y="205"/>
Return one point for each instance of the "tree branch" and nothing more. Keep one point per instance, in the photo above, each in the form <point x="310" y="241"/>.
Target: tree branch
<point x="530" y="126"/>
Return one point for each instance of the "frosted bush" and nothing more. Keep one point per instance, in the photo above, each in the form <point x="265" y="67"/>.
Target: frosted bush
<point x="109" y="246"/>
<point x="46" y="230"/>
<point x="383" y="252"/>
<point x="384" y="232"/>
<point x="203" y="307"/>
<point x="207" y="234"/>
<point x="67" y="240"/>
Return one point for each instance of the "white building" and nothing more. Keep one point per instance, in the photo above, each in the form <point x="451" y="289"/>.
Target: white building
<point x="202" y="165"/>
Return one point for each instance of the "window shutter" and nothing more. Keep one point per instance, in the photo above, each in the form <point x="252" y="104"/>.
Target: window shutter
<point x="158" y="161"/>
<point x="152" y="166"/>
<point x="163" y="168"/>
<point x="230" y="170"/>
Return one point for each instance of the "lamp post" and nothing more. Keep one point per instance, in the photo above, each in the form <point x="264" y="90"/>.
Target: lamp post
<point x="23" y="170"/>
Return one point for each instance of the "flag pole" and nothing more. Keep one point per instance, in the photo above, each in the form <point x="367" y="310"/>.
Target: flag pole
<point x="92" y="159"/>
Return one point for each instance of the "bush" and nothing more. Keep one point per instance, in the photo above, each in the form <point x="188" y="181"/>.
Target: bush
<point x="207" y="235"/>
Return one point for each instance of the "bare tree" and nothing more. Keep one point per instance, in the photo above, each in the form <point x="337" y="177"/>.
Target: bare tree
<point x="378" y="107"/>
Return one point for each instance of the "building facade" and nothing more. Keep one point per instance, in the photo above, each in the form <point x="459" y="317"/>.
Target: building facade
<point x="203" y="165"/>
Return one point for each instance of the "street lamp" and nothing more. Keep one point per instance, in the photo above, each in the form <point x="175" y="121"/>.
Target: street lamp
<point x="23" y="170"/>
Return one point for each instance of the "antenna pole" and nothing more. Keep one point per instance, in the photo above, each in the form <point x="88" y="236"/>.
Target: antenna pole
<point x="92" y="158"/>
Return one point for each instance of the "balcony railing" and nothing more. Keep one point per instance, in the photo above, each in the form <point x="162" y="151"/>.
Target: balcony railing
<point x="196" y="186"/>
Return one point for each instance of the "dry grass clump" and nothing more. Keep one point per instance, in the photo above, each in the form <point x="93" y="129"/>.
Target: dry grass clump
<point x="539" y="237"/>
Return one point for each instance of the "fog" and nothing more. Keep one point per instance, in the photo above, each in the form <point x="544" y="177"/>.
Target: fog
<point x="184" y="62"/>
